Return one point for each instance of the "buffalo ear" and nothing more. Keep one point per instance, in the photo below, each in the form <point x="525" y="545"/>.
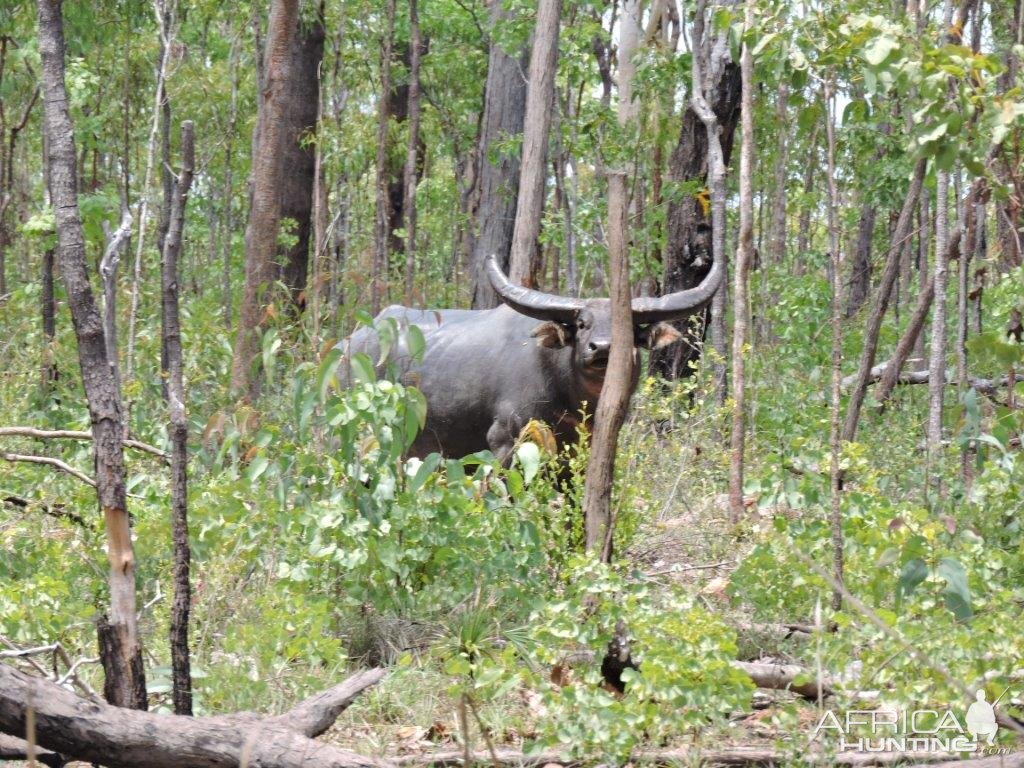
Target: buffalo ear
<point x="659" y="335"/>
<point x="552" y="335"/>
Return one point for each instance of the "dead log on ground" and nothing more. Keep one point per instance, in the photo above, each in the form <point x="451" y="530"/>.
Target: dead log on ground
<point x="74" y="434"/>
<point x="783" y="677"/>
<point x="126" y="738"/>
<point x="984" y="386"/>
<point x="13" y="748"/>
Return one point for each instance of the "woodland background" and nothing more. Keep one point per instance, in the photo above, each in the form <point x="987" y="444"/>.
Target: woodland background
<point x="773" y="498"/>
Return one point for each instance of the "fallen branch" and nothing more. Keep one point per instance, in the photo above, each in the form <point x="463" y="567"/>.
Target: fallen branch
<point x="49" y="461"/>
<point x="13" y="748"/>
<point x="126" y="738"/>
<point x="984" y="386"/>
<point x="783" y="677"/>
<point x="74" y="434"/>
<point x="57" y="510"/>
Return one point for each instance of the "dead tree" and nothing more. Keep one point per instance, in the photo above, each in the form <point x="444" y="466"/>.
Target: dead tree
<point x="120" y="649"/>
<point x="82" y="730"/>
<point x="178" y="428"/>
<point x="265" y="213"/>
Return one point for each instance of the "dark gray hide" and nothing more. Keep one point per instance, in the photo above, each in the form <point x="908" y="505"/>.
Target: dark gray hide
<point x="486" y="373"/>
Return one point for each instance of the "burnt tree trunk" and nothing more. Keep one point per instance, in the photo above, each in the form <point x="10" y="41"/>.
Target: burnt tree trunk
<point x="524" y="263"/>
<point x="860" y="270"/>
<point x="178" y="428"/>
<point x="504" y="113"/>
<point x="265" y="209"/>
<point x="120" y="650"/>
<point x="689" y="230"/>
<point x="302" y="98"/>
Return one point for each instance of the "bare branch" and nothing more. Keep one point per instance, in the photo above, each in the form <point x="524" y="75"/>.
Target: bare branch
<point x="74" y="434"/>
<point x="56" y="463"/>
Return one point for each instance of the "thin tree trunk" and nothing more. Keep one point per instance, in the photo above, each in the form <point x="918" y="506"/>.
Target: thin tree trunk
<point x="177" y="429"/>
<point x="744" y="256"/>
<point x="48" y="307"/>
<point x="923" y="248"/>
<point x="937" y="355"/>
<point x="302" y="102"/>
<point x="880" y="303"/>
<point x="227" y="195"/>
<point x="907" y="342"/>
<point x="860" y="276"/>
<point x="803" y="232"/>
<point x="378" y="277"/>
<point x="618" y="384"/>
<point x="412" y="150"/>
<point x="142" y="215"/>
<point x="504" y="113"/>
<point x="777" y="240"/>
<point x="540" y="92"/>
<point x="120" y="650"/>
<point x="836" y="260"/>
<point x="264" y="216"/>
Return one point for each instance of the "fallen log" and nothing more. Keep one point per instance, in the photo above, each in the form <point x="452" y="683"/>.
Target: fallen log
<point x="984" y="386"/>
<point x="783" y="677"/>
<point x="75" y="434"/>
<point x="124" y="738"/>
<point x="13" y="748"/>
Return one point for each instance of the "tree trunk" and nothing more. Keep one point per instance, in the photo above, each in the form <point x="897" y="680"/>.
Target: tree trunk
<point x="227" y="195"/>
<point x="803" y="231"/>
<point x="412" y="151"/>
<point x="880" y="303"/>
<point x="689" y="226"/>
<point x="777" y="240"/>
<point x="504" y="113"/>
<point x="937" y="353"/>
<point x="302" y="100"/>
<point x="382" y="217"/>
<point x="744" y="256"/>
<point x="524" y="262"/>
<point x="120" y="650"/>
<point x="177" y="428"/>
<point x="860" y="271"/>
<point x="836" y="261"/>
<point x="265" y="211"/>
<point x="119" y="738"/>
<point x="48" y="307"/>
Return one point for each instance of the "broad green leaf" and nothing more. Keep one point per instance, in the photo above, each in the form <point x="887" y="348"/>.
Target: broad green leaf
<point x="957" y="594"/>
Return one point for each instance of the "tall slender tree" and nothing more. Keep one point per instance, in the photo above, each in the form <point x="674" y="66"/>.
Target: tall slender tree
<point x="265" y="207"/>
<point x="120" y="648"/>
<point x="524" y="259"/>
<point x="744" y="256"/>
<point x="382" y="217"/>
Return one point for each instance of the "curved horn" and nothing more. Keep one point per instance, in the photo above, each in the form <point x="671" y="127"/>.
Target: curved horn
<point x="542" y="306"/>
<point x="673" y="306"/>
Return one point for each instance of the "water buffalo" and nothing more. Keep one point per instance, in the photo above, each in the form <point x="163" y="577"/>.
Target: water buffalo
<point x="486" y="373"/>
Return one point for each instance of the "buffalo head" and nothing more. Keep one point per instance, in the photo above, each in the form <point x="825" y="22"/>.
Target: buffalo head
<point x="585" y="324"/>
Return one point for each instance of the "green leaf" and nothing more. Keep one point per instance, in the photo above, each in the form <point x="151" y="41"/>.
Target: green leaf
<point x="325" y="374"/>
<point x="424" y="471"/>
<point x="415" y="341"/>
<point x="957" y="594"/>
<point x="362" y="368"/>
<point x="879" y="49"/>
<point x="257" y="467"/>
<point x="912" y="574"/>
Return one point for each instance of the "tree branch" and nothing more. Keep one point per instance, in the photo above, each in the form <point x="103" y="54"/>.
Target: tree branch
<point x="49" y="461"/>
<point x="74" y="434"/>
